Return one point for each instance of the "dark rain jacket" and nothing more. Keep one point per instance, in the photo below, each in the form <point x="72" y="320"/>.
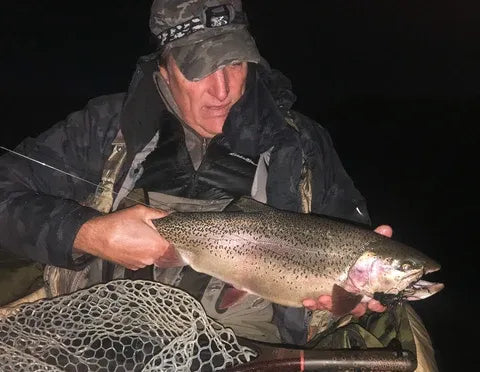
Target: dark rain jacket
<point x="40" y="212"/>
<point x="41" y="209"/>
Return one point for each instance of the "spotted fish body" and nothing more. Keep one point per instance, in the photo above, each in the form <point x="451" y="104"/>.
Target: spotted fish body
<point x="287" y="257"/>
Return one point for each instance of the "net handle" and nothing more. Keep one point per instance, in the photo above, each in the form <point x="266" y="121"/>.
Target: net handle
<point x="274" y="358"/>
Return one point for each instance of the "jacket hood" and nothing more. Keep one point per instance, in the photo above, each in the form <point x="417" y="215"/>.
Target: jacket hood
<point x="258" y="117"/>
<point x="249" y="128"/>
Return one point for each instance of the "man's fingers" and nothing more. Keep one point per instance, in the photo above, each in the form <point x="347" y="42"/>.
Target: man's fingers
<point x="310" y="304"/>
<point x="376" y="306"/>
<point x="323" y="303"/>
<point x="359" y="310"/>
<point x="152" y="214"/>
<point x="384" y="230"/>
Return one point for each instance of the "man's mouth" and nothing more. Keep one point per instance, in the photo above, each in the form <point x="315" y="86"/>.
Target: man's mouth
<point x="218" y="110"/>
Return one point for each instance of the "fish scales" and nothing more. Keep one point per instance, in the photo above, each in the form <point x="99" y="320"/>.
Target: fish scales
<point x="284" y="257"/>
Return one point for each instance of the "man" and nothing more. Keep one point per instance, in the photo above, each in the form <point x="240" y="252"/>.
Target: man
<point x="205" y="118"/>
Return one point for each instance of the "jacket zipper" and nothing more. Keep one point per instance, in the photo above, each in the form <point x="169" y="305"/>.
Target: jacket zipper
<point x="196" y="171"/>
<point x="204" y="149"/>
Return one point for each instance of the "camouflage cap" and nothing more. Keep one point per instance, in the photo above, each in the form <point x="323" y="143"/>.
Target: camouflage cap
<point x="203" y="35"/>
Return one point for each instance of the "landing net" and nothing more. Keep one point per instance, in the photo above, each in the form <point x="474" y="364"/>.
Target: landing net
<point x="123" y="325"/>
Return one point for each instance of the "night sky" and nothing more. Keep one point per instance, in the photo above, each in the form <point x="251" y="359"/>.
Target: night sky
<point x="396" y="83"/>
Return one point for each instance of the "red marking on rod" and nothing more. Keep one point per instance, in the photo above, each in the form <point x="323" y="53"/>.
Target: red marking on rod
<point x="302" y="361"/>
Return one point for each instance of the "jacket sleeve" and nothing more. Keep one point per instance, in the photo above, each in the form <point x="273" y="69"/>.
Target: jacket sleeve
<point x="40" y="210"/>
<point x="333" y="191"/>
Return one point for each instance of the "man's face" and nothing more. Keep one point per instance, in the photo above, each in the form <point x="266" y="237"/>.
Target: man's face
<point x="205" y="104"/>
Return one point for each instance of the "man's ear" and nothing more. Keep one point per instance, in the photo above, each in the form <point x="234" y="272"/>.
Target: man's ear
<point x="165" y="75"/>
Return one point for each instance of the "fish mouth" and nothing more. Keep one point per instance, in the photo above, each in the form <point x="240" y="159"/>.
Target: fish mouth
<point x="431" y="267"/>
<point x="421" y="289"/>
<point x="417" y="290"/>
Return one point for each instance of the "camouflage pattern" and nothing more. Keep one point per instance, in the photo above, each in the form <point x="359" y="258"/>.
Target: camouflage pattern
<point x="18" y="277"/>
<point x="102" y="199"/>
<point x="200" y="53"/>
<point x="170" y="13"/>
<point x="400" y="323"/>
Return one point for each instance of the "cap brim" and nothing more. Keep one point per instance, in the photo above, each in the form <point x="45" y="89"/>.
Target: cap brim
<point x="200" y="59"/>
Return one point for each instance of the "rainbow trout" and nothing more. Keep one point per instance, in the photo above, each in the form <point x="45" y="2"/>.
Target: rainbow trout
<point x="287" y="257"/>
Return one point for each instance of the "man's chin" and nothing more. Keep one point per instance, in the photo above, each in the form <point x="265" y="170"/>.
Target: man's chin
<point x="207" y="131"/>
<point x="213" y="126"/>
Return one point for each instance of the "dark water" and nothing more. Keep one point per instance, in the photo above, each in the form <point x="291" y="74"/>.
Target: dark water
<point x="396" y="83"/>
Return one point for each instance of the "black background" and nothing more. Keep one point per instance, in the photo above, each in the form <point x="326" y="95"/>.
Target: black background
<point x="396" y="83"/>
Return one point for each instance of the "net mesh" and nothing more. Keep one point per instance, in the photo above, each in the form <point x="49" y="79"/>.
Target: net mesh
<point x="123" y="325"/>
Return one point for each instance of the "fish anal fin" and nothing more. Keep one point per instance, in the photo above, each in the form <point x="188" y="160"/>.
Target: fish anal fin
<point x="343" y="301"/>
<point x="230" y="296"/>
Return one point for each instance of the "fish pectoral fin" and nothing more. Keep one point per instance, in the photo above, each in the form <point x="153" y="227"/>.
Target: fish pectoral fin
<point x="229" y="297"/>
<point x="343" y="301"/>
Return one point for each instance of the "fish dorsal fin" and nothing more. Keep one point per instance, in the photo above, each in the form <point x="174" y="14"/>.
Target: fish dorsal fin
<point x="180" y="204"/>
<point x="248" y="205"/>
<point x="343" y="301"/>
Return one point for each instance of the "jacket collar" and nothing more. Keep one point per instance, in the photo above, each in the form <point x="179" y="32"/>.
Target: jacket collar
<point x="258" y="117"/>
<point x="250" y="127"/>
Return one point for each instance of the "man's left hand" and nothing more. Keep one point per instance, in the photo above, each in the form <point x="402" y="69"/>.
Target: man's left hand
<point x="325" y="302"/>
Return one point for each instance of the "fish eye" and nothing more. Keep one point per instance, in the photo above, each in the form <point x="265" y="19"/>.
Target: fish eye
<point x="407" y="265"/>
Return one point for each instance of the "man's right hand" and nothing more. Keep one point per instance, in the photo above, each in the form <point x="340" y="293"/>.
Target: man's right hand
<point x="128" y="238"/>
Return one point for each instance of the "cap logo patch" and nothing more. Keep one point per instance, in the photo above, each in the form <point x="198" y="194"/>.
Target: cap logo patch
<point x="212" y="17"/>
<point x="217" y="16"/>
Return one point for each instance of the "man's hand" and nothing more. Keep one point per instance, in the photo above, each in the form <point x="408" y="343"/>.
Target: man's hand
<point x="128" y="238"/>
<point x="325" y="302"/>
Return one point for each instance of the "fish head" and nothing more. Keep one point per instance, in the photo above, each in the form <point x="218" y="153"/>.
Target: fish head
<point x="391" y="268"/>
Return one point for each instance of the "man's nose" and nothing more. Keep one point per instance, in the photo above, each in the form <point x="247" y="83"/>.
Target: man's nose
<point x="219" y="85"/>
